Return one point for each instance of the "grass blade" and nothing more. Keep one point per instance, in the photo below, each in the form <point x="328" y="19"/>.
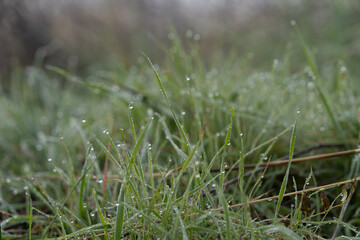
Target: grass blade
<point x="102" y="218"/>
<point x="120" y="213"/>
<point x="178" y="124"/>
<point x="285" y="180"/>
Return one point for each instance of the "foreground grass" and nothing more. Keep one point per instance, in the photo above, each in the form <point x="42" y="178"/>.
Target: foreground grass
<point x="119" y="154"/>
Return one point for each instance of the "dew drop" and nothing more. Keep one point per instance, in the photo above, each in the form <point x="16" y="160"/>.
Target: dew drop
<point x="183" y="113"/>
<point x="298" y="111"/>
<point x="241" y="134"/>
<point x="343" y="69"/>
<point x="49" y="159"/>
<point x="131" y="105"/>
<point x="213" y="185"/>
<point x="26" y="188"/>
<point x="188" y="79"/>
<point x="54" y="170"/>
<point x="83" y="121"/>
<point x="8" y="180"/>
<point x="292" y="23"/>
<point x="92" y="214"/>
<point x="100" y="181"/>
<point x="197" y="175"/>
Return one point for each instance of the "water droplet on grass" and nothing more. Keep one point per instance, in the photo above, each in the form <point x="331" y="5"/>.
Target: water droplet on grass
<point x="92" y="214"/>
<point x="8" y="180"/>
<point x="49" y="159"/>
<point x="292" y="23"/>
<point x="183" y="113"/>
<point x="197" y="175"/>
<point x="83" y="121"/>
<point x="188" y="78"/>
<point x="213" y="185"/>
<point x="131" y="105"/>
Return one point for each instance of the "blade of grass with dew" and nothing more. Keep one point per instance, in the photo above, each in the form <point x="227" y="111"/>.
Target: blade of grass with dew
<point x="54" y="205"/>
<point x="228" y="222"/>
<point x="226" y="143"/>
<point x="178" y="124"/>
<point x="148" y="218"/>
<point x="150" y="208"/>
<point x="261" y="159"/>
<point x="71" y="162"/>
<point x="219" y="188"/>
<point x="246" y="217"/>
<point x="67" y="197"/>
<point x="169" y="138"/>
<point x="311" y="61"/>
<point x="131" y="120"/>
<point x="83" y="187"/>
<point x="29" y="211"/>
<point x="183" y="230"/>
<point x="285" y="232"/>
<point x="101" y="215"/>
<point x="108" y="153"/>
<point x="138" y="143"/>
<point x="283" y="185"/>
<point x="120" y="213"/>
<point x="151" y="171"/>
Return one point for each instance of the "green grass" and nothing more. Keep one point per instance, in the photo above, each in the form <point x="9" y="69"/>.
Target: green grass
<point x="166" y="136"/>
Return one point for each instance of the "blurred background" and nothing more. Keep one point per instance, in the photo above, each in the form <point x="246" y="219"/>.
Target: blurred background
<point x="76" y="34"/>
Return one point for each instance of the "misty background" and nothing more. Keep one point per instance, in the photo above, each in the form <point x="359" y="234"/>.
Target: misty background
<point x="77" y="34"/>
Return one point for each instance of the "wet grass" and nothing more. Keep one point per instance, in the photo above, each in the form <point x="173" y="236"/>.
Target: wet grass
<point x="149" y="152"/>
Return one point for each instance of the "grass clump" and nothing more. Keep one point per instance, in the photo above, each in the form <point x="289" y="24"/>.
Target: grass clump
<point x="111" y="156"/>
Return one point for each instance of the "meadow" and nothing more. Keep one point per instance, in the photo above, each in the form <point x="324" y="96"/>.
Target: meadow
<point x="185" y="147"/>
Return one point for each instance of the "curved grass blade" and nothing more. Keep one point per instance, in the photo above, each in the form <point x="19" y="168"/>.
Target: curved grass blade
<point x="120" y="214"/>
<point x="178" y="124"/>
<point x="101" y="215"/>
<point x="285" y="180"/>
